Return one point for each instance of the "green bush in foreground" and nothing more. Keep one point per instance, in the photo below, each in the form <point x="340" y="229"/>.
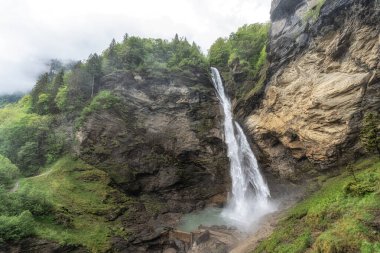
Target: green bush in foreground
<point x="14" y="203"/>
<point x="14" y="228"/>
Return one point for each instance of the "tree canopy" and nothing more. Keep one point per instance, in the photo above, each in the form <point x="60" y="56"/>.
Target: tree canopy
<point x="246" y="47"/>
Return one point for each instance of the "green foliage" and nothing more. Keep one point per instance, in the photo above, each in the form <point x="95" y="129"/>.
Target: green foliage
<point x="363" y="186"/>
<point x="313" y="13"/>
<point x="242" y="58"/>
<point x="68" y="88"/>
<point x="18" y="211"/>
<point x="262" y="59"/>
<point x="152" y="55"/>
<point x="82" y="200"/>
<point x="14" y="228"/>
<point x="370" y="132"/>
<point x="9" y="99"/>
<point x="102" y="101"/>
<point x="14" y="203"/>
<point x="56" y="142"/>
<point x="248" y="42"/>
<point x="37" y="93"/>
<point x="219" y="52"/>
<point x="336" y="218"/>
<point x="27" y="139"/>
<point x="79" y="82"/>
<point x="246" y="48"/>
<point x="46" y="89"/>
<point x="61" y="98"/>
<point x="8" y="172"/>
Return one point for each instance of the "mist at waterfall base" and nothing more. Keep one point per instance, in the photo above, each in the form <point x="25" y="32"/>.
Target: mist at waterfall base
<point x="250" y="197"/>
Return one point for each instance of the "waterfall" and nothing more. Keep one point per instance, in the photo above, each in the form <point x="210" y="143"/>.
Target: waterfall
<point x="250" y="198"/>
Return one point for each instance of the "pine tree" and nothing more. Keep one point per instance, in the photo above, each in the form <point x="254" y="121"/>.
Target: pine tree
<point x="370" y="132"/>
<point x="39" y="89"/>
<point x="57" y="84"/>
<point x="94" y="68"/>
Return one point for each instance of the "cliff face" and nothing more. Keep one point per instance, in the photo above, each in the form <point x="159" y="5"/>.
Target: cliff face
<point x="163" y="142"/>
<point x="324" y="75"/>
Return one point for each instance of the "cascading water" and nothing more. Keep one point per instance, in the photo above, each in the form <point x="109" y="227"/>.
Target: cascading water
<point x="250" y="198"/>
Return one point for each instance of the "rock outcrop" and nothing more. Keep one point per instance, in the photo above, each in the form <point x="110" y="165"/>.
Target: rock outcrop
<point x="324" y="75"/>
<point x="162" y="143"/>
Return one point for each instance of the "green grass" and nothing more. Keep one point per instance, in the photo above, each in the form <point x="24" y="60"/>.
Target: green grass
<point x="313" y="13"/>
<point x="102" y="101"/>
<point x="334" y="219"/>
<point x="82" y="199"/>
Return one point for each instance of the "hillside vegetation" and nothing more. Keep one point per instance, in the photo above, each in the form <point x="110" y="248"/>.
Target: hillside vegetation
<point x="45" y="190"/>
<point x="343" y="216"/>
<point x="242" y="61"/>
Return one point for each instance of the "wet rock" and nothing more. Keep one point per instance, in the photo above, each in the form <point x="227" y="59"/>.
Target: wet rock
<point x="170" y="250"/>
<point x="203" y="237"/>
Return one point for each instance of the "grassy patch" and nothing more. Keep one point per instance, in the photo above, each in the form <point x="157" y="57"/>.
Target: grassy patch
<point x="313" y="13"/>
<point x="337" y="218"/>
<point x="104" y="100"/>
<point x="82" y="199"/>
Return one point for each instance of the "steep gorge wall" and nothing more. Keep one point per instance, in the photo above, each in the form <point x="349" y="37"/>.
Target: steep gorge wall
<point x="324" y="75"/>
<point x="162" y="144"/>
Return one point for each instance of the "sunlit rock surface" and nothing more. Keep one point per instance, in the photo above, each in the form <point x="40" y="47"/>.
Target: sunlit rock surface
<point x="318" y="89"/>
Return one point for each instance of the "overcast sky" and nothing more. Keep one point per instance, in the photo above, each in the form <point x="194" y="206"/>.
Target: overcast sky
<point x="33" y="31"/>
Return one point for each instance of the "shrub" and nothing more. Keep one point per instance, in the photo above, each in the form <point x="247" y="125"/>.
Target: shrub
<point x="20" y="136"/>
<point x="14" y="228"/>
<point x="245" y="48"/>
<point x="361" y="186"/>
<point x="370" y="132"/>
<point x="61" y="98"/>
<point x="103" y="100"/>
<point x="219" y="53"/>
<point x="8" y="171"/>
<point x="12" y="204"/>
<point x="313" y="13"/>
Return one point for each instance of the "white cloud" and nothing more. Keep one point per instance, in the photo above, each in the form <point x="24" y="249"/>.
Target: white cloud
<point x="33" y="31"/>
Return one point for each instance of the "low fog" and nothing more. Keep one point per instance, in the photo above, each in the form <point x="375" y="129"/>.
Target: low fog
<point x="34" y="31"/>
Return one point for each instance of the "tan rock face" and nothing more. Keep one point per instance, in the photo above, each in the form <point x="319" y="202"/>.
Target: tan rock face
<point x="313" y="104"/>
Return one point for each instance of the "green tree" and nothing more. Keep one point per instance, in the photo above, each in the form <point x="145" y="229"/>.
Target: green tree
<point x="134" y="52"/>
<point x="53" y="91"/>
<point x="219" y="53"/>
<point x="8" y="99"/>
<point x="370" y="132"/>
<point x="23" y="136"/>
<point x="41" y="87"/>
<point x="246" y="48"/>
<point x="61" y="98"/>
<point x="8" y="171"/>
<point x="94" y="68"/>
<point x="79" y="87"/>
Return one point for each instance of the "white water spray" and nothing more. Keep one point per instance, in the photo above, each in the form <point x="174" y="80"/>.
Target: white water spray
<point x="250" y="193"/>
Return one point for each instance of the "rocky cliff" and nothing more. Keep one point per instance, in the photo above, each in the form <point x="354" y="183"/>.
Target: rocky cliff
<point x="323" y="75"/>
<point x="162" y="143"/>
